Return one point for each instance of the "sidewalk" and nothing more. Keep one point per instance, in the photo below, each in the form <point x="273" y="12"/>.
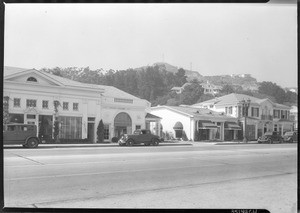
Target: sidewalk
<point x="235" y="142"/>
<point x="165" y="143"/>
<point x="65" y="145"/>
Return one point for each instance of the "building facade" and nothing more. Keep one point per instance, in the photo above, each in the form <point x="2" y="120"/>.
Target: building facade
<point x="40" y="98"/>
<point x="210" y="88"/>
<point x="262" y="115"/>
<point x="195" y="124"/>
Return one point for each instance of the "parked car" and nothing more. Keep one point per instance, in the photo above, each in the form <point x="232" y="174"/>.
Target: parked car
<point x="139" y="136"/>
<point x="270" y="137"/>
<point x="290" y="136"/>
<point x="24" y="134"/>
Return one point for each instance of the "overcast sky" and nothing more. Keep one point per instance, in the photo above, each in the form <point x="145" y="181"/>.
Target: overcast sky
<point x="214" y="39"/>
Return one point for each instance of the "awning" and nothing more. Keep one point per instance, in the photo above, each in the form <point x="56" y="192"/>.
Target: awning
<point x="232" y="126"/>
<point x="207" y="125"/>
<point x="178" y="126"/>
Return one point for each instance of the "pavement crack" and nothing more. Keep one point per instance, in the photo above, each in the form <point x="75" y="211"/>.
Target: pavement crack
<point x="29" y="159"/>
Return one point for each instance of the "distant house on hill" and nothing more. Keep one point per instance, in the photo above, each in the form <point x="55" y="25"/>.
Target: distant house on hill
<point x="208" y="88"/>
<point x="179" y="90"/>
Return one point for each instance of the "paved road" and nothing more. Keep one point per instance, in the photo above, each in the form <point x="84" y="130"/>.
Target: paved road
<point x="186" y="176"/>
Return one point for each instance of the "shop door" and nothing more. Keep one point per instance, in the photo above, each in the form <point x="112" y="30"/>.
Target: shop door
<point x="204" y="134"/>
<point x="90" y="135"/>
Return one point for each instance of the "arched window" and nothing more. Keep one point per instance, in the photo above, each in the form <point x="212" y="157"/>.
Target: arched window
<point x="178" y="127"/>
<point x="122" y="119"/>
<point x="33" y="79"/>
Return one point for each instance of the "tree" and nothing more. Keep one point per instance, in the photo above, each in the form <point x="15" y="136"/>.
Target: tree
<point x="227" y="89"/>
<point x="191" y="94"/>
<point x="56" y="121"/>
<point x="272" y="89"/>
<point x="5" y="109"/>
<point x="100" y="132"/>
<point x="180" y="77"/>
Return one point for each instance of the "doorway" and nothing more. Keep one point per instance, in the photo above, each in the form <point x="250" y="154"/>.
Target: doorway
<point x="122" y="124"/>
<point x="120" y="130"/>
<point x="90" y="132"/>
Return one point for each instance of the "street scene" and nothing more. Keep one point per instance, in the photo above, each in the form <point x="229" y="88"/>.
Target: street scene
<point x="178" y="175"/>
<point x="150" y="106"/>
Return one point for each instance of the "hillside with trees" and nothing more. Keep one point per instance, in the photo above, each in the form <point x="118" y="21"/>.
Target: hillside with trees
<point x="154" y="83"/>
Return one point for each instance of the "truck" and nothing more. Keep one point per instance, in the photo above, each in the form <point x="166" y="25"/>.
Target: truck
<point x="23" y="134"/>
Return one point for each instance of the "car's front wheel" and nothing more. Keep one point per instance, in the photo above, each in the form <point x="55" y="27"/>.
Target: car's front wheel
<point x="129" y="142"/>
<point x="270" y="140"/>
<point x="280" y="140"/>
<point x="32" y="143"/>
<point x="291" y="140"/>
<point x="155" y="142"/>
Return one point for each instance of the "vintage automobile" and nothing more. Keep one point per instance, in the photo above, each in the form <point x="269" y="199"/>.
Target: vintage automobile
<point x="270" y="137"/>
<point x="24" y="134"/>
<point x="290" y="136"/>
<point x="139" y="136"/>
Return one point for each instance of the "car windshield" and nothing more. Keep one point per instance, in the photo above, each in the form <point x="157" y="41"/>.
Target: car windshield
<point x="289" y="133"/>
<point x="136" y="132"/>
<point x="268" y="133"/>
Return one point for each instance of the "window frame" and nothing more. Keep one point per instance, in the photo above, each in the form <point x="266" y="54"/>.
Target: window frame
<point x="17" y="106"/>
<point x="75" y="108"/>
<point x="65" y="106"/>
<point x="47" y="105"/>
<point x="28" y="102"/>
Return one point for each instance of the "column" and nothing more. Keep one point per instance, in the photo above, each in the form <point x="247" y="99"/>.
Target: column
<point x="37" y="124"/>
<point x="256" y="131"/>
<point x="84" y="119"/>
<point x="222" y="131"/>
<point x="192" y="130"/>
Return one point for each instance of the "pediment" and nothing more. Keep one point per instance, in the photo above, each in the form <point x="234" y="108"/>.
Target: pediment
<point x="33" y="77"/>
<point x="266" y="102"/>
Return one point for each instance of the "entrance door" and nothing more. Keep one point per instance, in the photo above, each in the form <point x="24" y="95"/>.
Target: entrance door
<point x="120" y="130"/>
<point x="90" y="135"/>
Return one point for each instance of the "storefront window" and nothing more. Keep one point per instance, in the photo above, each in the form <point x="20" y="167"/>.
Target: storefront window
<point x="71" y="127"/>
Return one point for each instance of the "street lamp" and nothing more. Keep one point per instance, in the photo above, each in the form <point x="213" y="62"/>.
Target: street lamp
<point x="245" y="107"/>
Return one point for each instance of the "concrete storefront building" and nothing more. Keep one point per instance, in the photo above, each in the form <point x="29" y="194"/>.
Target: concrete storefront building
<point x="37" y="97"/>
<point x="195" y="124"/>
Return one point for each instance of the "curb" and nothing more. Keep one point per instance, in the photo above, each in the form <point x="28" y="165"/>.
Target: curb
<point x="43" y="146"/>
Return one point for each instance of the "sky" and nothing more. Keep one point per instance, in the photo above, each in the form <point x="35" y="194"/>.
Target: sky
<point x="213" y="39"/>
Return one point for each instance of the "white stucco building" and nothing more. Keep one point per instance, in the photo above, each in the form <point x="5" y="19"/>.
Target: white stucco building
<point x="196" y="124"/>
<point x="263" y="114"/>
<point x="31" y="94"/>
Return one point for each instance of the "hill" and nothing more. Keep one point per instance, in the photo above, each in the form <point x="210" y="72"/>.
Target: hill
<point x="244" y="81"/>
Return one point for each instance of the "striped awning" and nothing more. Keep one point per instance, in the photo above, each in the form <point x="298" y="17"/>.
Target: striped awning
<point x="232" y="126"/>
<point x="207" y="125"/>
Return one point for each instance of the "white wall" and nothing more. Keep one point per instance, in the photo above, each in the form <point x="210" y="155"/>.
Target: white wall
<point x="170" y="118"/>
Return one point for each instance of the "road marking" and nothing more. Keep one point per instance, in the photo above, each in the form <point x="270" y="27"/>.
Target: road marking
<point x="29" y="159"/>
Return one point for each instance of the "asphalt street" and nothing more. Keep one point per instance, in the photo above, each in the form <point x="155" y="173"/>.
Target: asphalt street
<point x="255" y="176"/>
